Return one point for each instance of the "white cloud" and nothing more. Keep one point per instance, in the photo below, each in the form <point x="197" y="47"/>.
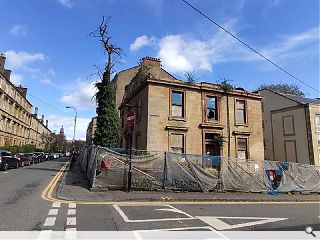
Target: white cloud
<point x="19" y="30"/>
<point x="80" y="95"/>
<point x="46" y="81"/>
<point x="180" y="53"/>
<point x="21" y="60"/>
<point x="56" y="121"/>
<point x="66" y="3"/>
<point x="142" y="41"/>
<point x="16" y="78"/>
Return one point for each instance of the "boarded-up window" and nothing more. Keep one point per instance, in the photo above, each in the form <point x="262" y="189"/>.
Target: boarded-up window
<point x="240" y="112"/>
<point x="211" y="108"/>
<point x="288" y="125"/>
<point x="177" y="104"/>
<point x="242" y="148"/>
<point x="177" y="142"/>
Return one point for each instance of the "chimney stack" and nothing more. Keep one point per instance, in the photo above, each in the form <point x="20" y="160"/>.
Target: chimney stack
<point x="151" y="62"/>
<point x="2" y="61"/>
<point x="47" y="123"/>
<point x="36" y="111"/>
<point x="7" y="74"/>
<point x="22" y="90"/>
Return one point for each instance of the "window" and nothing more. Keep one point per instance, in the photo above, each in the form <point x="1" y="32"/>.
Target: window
<point x="177" y="142"/>
<point x="242" y="148"/>
<point x="211" y="105"/>
<point x="240" y="112"/>
<point x="139" y="106"/>
<point x="318" y="123"/>
<point x="177" y="104"/>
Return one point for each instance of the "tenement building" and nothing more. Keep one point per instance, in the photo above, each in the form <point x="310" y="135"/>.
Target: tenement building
<point x="196" y="118"/>
<point x="291" y="128"/>
<point x="91" y="130"/>
<point x="18" y="126"/>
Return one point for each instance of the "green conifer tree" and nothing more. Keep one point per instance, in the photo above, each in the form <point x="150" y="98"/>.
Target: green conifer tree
<point x="108" y="122"/>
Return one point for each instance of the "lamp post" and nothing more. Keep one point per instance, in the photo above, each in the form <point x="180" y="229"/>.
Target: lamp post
<point x="75" y="123"/>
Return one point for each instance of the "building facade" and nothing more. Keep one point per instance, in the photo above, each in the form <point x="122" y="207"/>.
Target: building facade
<point x="18" y="126"/>
<point x="291" y="128"/>
<point x="92" y="126"/>
<point x="194" y="118"/>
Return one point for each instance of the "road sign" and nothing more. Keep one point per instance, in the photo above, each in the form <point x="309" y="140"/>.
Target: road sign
<point x="130" y="118"/>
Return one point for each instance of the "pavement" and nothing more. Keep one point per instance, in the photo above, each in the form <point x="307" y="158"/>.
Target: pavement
<point x="74" y="186"/>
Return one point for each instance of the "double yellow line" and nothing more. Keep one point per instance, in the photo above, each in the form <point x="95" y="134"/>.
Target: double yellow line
<point x="47" y="195"/>
<point x="47" y="192"/>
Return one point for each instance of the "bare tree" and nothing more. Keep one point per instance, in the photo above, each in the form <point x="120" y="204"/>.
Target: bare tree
<point x="110" y="48"/>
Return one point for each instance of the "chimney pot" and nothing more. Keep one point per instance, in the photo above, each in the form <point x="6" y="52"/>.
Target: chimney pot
<point x="36" y="111"/>
<point x="47" y="123"/>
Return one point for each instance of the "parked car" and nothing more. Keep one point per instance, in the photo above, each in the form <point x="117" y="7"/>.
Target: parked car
<point x="38" y="157"/>
<point x="7" y="160"/>
<point x="26" y="159"/>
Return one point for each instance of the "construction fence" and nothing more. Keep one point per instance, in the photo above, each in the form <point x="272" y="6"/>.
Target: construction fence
<point x="108" y="169"/>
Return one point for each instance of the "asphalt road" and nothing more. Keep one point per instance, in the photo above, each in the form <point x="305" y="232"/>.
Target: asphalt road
<point x="23" y="209"/>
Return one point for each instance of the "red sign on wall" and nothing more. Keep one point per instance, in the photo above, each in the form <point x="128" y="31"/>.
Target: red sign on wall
<point x="130" y="118"/>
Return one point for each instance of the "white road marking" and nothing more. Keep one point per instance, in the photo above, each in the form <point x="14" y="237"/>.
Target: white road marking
<point x="56" y="204"/>
<point x="170" y="208"/>
<point x="53" y="212"/>
<point x="71" y="221"/>
<point x="72" y="211"/>
<point x="72" y="205"/>
<point x="218" y="224"/>
<point x="50" y="221"/>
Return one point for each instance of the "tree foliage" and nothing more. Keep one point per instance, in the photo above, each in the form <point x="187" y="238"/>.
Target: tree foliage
<point x="225" y="85"/>
<point x="283" y="88"/>
<point x="108" y="122"/>
<point x="191" y="77"/>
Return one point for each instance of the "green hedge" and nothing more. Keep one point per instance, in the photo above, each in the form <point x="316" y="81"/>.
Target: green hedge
<point x="20" y="149"/>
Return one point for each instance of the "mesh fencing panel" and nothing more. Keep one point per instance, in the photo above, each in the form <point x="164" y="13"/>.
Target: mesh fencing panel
<point x="108" y="169"/>
<point x="244" y="175"/>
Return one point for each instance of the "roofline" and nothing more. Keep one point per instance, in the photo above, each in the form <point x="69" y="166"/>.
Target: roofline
<point x="16" y="89"/>
<point x="282" y="96"/>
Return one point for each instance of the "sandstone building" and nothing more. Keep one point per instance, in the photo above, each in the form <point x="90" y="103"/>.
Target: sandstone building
<point x="177" y="116"/>
<point x="291" y="128"/>
<point x="92" y="126"/>
<point x="18" y="126"/>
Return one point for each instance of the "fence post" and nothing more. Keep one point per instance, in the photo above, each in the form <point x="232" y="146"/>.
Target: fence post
<point x="164" y="171"/>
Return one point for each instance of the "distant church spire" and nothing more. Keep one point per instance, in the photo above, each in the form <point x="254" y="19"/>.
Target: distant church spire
<point x="62" y="131"/>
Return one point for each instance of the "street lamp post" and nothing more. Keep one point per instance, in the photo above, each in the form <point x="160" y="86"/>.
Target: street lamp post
<point x="75" y="123"/>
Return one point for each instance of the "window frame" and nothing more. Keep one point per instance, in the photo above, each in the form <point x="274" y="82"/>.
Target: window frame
<point x="245" y="112"/>
<point x="184" y="112"/>
<point x="183" y="140"/>
<point x="247" y="146"/>
<point x="218" y="103"/>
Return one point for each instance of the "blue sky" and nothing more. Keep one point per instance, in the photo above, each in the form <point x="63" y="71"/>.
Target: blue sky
<point x="49" y="49"/>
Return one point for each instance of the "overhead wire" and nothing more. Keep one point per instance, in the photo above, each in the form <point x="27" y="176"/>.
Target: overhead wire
<point x="248" y="46"/>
